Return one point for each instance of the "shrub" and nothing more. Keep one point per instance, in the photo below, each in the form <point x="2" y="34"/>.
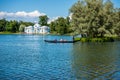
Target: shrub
<point x="106" y="39"/>
<point x="84" y="40"/>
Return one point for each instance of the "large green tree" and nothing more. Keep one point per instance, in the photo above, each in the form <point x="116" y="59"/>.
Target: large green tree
<point x="2" y="25"/>
<point x="43" y="20"/>
<point x="52" y="26"/>
<point x="12" y="26"/>
<point x="93" y="17"/>
<point x="8" y="26"/>
<point x="60" y="26"/>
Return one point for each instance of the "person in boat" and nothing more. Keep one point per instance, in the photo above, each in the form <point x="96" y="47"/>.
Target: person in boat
<point x="73" y="38"/>
<point x="55" y="40"/>
<point x="61" y="40"/>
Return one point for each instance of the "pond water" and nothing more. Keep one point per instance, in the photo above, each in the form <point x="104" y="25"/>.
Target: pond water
<point x="28" y="57"/>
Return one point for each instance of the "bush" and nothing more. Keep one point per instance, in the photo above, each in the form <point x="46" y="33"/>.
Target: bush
<point x="77" y="39"/>
<point x="106" y="39"/>
<point x="84" y="40"/>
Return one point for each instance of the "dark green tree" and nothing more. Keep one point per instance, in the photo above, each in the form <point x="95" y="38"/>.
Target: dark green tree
<point x="12" y="26"/>
<point x="60" y="26"/>
<point x="26" y="23"/>
<point x="8" y="26"/>
<point x="43" y="20"/>
<point x="2" y="25"/>
<point x="52" y="27"/>
<point x="15" y="26"/>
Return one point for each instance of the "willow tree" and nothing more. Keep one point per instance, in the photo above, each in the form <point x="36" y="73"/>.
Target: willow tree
<point x="92" y="17"/>
<point x="108" y="14"/>
<point x="21" y="28"/>
<point x="116" y="24"/>
<point x="78" y="21"/>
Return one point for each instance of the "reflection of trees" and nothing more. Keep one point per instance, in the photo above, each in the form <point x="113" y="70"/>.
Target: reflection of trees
<point x="91" y="60"/>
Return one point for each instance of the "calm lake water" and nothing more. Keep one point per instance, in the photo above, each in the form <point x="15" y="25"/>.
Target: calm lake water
<point x="28" y="57"/>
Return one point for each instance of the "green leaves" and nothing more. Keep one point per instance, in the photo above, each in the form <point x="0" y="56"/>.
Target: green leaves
<point x="21" y="28"/>
<point x="95" y="18"/>
<point x="2" y="24"/>
<point x="13" y="26"/>
<point x="43" y="20"/>
<point x="60" y="26"/>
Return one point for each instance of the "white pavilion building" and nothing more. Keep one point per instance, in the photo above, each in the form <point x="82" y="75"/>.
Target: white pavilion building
<point x="37" y="29"/>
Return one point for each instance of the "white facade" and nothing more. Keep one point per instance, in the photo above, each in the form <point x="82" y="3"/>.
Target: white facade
<point x="37" y="29"/>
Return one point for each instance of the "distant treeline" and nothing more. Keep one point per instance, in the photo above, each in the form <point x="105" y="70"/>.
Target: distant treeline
<point x="59" y="26"/>
<point x="13" y="26"/>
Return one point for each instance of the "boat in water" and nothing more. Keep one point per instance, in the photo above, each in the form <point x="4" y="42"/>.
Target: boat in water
<point x="56" y="41"/>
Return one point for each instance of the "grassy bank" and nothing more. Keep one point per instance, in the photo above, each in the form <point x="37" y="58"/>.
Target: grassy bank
<point x="10" y="33"/>
<point x="106" y="39"/>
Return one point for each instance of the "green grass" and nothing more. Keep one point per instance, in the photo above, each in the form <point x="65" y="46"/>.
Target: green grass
<point x="9" y="33"/>
<point x="106" y="39"/>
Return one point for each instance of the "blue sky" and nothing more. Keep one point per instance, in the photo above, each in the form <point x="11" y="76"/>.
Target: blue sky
<point x="52" y="8"/>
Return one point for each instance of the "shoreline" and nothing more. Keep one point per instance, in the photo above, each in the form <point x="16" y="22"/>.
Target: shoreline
<point x="105" y="39"/>
<point x="10" y="33"/>
<point x="34" y="33"/>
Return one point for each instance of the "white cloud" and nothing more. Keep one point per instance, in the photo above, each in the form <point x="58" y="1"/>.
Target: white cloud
<point x="70" y="15"/>
<point x="35" y="14"/>
<point x="9" y="14"/>
<point x="2" y="14"/>
<point x="21" y="14"/>
<point x="53" y="19"/>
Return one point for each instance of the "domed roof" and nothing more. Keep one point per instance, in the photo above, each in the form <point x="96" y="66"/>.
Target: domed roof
<point x="29" y="27"/>
<point x="45" y="27"/>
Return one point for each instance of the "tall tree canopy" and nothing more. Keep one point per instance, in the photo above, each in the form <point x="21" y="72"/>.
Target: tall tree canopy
<point x="43" y="20"/>
<point x="60" y="26"/>
<point x="2" y="25"/>
<point x="94" y="17"/>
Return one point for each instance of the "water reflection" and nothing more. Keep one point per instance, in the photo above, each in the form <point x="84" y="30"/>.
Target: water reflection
<point x="96" y="61"/>
<point x="28" y="57"/>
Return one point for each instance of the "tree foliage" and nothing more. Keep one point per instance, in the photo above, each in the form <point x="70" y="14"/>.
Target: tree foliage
<point x="13" y="26"/>
<point x="2" y="25"/>
<point x="43" y="20"/>
<point x="60" y="26"/>
<point x="95" y="18"/>
<point x="21" y="28"/>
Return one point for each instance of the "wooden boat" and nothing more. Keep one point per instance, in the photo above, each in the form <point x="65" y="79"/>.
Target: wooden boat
<point x="56" y="41"/>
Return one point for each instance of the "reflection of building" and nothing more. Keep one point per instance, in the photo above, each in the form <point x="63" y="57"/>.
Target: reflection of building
<point x="37" y="29"/>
